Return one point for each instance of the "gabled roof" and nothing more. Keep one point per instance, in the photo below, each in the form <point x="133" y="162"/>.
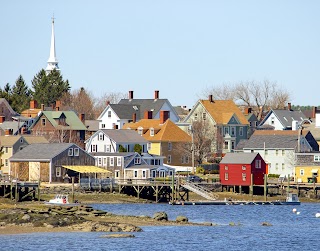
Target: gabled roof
<point x="239" y="158"/>
<point x="31" y="139"/>
<point x="40" y="151"/>
<point x="222" y="111"/>
<point x="4" y="101"/>
<point x="126" y="111"/>
<point x="72" y="120"/>
<point x="168" y="131"/>
<point x="123" y="136"/>
<point x="92" y="125"/>
<point x="9" y="140"/>
<point x="285" y="117"/>
<point x="14" y="125"/>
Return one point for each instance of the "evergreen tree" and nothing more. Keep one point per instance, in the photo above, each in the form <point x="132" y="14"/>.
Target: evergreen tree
<point x="122" y="149"/>
<point x="21" y="95"/>
<point x="6" y="92"/>
<point x="49" y="88"/>
<point x="137" y="148"/>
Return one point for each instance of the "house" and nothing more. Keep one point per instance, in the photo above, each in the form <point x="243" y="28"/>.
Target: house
<point x="12" y="127"/>
<point x="33" y="111"/>
<point x="282" y="119"/>
<point x="225" y="119"/>
<point x="50" y="162"/>
<point x="252" y="119"/>
<point x="165" y="139"/>
<point x="112" y="140"/>
<point x="278" y="148"/>
<point x="92" y="126"/>
<point x="236" y="169"/>
<point x="307" y="168"/>
<point x="129" y="110"/>
<point x="11" y="144"/>
<point x="60" y="126"/>
<point x="132" y="165"/>
<point x="314" y="126"/>
<point x="6" y="110"/>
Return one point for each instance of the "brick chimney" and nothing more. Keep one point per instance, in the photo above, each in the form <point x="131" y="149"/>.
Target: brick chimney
<point x="42" y="107"/>
<point x="211" y="98"/>
<point x="289" y="106"/>
<point x="82" y="117"/>
<point x="164" y="116"/>
<point x="108" y="102"/>
<point x="58" y="104"/>
<point x="156" y="94"/>
<point x="147" y="115"/>
<point x="134" y="117"/>
<point x="33" y="104"/>
<point x="2" y="119"/>
<point x="314" y="111"/>
<point x="130" y="94"/>
<point x="23" y="130"/>
<point x="8" y="132"/>
<point x="57" y="108"/>
<point x="247" y="110"/>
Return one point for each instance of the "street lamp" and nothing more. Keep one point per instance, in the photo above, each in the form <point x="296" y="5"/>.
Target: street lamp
<point x="192" y="148"/>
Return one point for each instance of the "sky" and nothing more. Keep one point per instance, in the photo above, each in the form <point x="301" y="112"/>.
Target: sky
<point x="179" y="47"/>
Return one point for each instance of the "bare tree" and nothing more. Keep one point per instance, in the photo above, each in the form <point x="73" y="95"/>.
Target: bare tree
<point x="258" y="95"/>
<point x="109" y="97"/>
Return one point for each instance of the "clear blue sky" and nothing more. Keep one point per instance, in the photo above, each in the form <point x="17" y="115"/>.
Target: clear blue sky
<point x="179" y="47"/>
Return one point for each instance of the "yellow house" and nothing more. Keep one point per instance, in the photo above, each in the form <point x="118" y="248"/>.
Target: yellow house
<point x="165" y="139"/>
<point x="307" y="168"/>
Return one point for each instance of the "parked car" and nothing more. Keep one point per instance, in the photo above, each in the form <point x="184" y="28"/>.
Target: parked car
<point x="194" y="178"/>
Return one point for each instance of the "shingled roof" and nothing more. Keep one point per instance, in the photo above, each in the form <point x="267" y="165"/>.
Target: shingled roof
<point x="124" y="136"/>
<point x="126" y="111"/>
<point x="238" y="158"/>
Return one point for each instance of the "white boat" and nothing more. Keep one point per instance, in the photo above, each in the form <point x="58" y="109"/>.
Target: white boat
<point x="61" y="200"/>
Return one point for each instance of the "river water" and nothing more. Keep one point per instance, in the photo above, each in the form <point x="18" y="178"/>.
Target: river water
<point x="289" y="231"/>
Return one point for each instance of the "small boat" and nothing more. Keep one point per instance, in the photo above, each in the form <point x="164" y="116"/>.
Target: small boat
<point x="61" y="200"/>
<point x="291" y="199"/>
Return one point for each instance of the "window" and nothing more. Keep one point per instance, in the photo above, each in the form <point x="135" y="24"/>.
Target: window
<point x="277" y="166"/>
<point x="244" y="176"/>
<point x="169" y="146"/>
<point x="195" y="116"/>
<point x="149" y="146"/>
<point x="93" y="148"/>
<point x="282" y="152"/>
<point x="226" y="130"/>
<point x="225" y="167"/>
<point x="265" y="152"/>
<point x="244" y="168"/>
<point x="301" y="172"/>
<point x="258" y="163"/>
<point x="226" y="176"/>
<point x="104" y="161"/>
<point x="233" y="131"/>
<point x="107" y="148"/>
<point x="117" y="174"/>
<point x="135" y="174"/>
<point x="277" y="152"/>
<point x="140" y="130"/>
<point x="101" y="136"/>
<point x="43" y="122"/>
<point x="241" y="131"/>
<point x="21" y="140"/>
<point x="103" y="126"/>
<point x="169" y="159"/>
<point x="143" y="174"/>
<point x="272" y="120"/>
<point x="316" y="158"/>
<point x="282" y="166"/>
<point x="76" y="151"/>
<point x="137" y="161"/>
<point x="232" y="145"/>
<point x="111" y="161"/>
<point x="58" y="171"/>
<point x="204" y="116"/>
<point x="109" y="114"/>
<point x="118" y="161"/>
<point x="226" y="145"/>
<point x="153" y="173"/>
<point x="151" y="131"/>
<point x="6" y="149"/>
<point x="99" y="161"/>
<point x="6" y="162"/>
<point x="70" y="152"/>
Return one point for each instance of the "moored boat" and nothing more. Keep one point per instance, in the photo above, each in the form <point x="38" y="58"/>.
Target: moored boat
<point x="61" y="200"/>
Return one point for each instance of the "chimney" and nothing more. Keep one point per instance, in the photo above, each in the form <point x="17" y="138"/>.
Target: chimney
<point x="57" y="108"/>
<point x="289" y="106"/>
<point x="82" y="117"/>
<point x="108" y="102"/>
<point x="164" y="116"/>
<point x="23" y="130"/>
<point x="248" y="110"/>
<point x="134" y="117"/>
<point x="130" y="94"/>
<point x="147" y="115"/>
<point x="314" y="111"/>
<point x="58" y="104"/>
<point x="2" y="119"/>
<point x="210" y="98"/>
<point x="33" y="104"/>
<point x="8" y="132"/>
<point x="42" y="107"/>
<point x="156" y="94"/>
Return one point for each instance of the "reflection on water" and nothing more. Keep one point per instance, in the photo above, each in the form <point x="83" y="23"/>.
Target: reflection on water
<point x="289" y="231"/>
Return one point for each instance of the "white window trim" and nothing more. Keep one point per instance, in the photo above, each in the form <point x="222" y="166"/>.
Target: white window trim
<point x="70" y="152"/>
<point x="119" y="161"/>
<point x="76" y="151"/>
<point x="58" y="171"/>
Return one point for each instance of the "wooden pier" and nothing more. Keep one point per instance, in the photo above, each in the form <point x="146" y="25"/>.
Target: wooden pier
<point x="19" y="191"/>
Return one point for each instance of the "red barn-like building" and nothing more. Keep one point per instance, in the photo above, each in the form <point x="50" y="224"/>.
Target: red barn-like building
<point x="236" y="169"/>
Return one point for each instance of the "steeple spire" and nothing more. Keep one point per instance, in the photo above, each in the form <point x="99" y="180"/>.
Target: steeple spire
<point x="52" y="61"/>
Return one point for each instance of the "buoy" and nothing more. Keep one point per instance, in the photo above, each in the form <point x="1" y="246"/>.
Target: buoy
<point x="318" y="215"/>
<point x="298" y="213"/>
<point x="294" y="210"/>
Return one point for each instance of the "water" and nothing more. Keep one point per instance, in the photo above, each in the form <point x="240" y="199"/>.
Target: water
<point x="289" y="231"/>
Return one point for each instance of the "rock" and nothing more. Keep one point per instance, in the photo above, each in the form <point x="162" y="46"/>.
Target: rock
<point x="181" y="218"/>
<point x="160" y="216"/>
<point x="117" y="236"/>
<point x="267" y="224"/>
<point x="26" y="217"/>
<point x="207" y="224"/>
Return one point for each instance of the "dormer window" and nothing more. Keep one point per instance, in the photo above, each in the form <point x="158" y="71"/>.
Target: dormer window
<point x="137" y="161"/>
<point x="70" y="152"/>
<point x="76" y="151"/>
<point x="151" y="131"/>
<point x="140" y="130"/>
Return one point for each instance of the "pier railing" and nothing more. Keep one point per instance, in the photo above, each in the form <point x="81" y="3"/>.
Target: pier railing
<point x="200" y="190"/>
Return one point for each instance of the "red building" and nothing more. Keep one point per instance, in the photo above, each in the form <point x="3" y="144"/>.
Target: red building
<point x="236" y="169"/>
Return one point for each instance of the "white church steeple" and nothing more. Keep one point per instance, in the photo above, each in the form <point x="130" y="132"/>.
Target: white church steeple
<point x="52" y="61"/>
